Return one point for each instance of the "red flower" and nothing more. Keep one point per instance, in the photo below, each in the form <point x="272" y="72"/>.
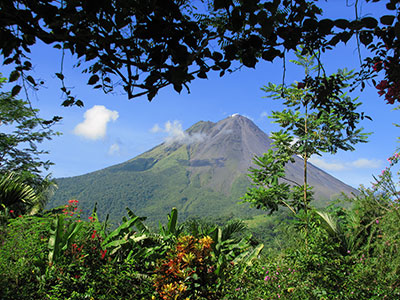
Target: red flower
<point x="94" y="234"/>
<point x="11" y="211"/>
<point x="103" y="253"/>
<point x="300" y="85"/>
<point x="377" y="66"/>
<point x="91" y="218"/>
<point x="382" y="85"/>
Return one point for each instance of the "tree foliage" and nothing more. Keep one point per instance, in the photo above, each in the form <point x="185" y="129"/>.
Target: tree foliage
<point x="147" y="45"/>
<point x="21" y="132"/>
<point x="307" y="129"/>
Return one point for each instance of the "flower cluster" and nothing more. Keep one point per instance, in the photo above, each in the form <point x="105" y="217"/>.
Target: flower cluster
<point x="391" y="91"/>
<point x="385" y="181"/>
<point x="97" y="240"/>
<point x="186" y="270"/>
<point x="390" y="87"/>
<point x="394" y="159"/>
<point x="278" y="280"/>
<point x="71" y="208"/>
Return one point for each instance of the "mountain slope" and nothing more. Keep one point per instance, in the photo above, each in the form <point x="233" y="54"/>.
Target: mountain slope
<point x="203" y="173"/>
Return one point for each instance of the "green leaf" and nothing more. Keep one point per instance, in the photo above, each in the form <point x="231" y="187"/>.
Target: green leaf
<point x="56" y="237"/>
<point x="172" y="221"/>
<point x="142" y="228"/>
<point x="120" y="230"/>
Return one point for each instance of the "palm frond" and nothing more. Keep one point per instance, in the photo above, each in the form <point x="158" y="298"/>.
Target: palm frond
<point x="15" y="194"/>
<point x="232" y="228"/>
<point x="329" y="223"/>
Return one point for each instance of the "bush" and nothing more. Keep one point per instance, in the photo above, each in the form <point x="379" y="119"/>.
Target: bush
<point x="23" y="256"/>
<point x="187" y="271"/>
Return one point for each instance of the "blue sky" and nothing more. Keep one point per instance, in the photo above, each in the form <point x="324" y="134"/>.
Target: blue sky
<point x="111" y="129"/>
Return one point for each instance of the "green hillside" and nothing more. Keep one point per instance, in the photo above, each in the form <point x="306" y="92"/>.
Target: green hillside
<point x="151" y="185"/>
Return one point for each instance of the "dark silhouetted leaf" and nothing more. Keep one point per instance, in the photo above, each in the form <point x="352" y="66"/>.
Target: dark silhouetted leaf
<point x="325" y="26"/>
<point x="178" y="87"/>
<point x="202" y="75"/>
<point x="387" y="20"/>
<point x="366" y="37"/>
<point x="369" y="22"/>
<point x="60" y="76"/>
<point x="217" y="56"/>
<point x="31" y="80"/>
<point x="8" y="61"/>
<point x="341" y="23"/>
<point x="14" y="76"/>
<point x="93" y="79"/>
<point x="249" y="61"/>
<point x="218" y="4"/>
<point x="15" y="90"/>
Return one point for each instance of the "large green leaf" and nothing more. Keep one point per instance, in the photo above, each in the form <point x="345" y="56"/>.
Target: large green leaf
<point x="120" y="231"/>
<point x="55" y="240"/>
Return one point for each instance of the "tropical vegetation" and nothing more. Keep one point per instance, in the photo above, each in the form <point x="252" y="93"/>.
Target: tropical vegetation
<point x="347" y="250"/>
<point x="347" y="253"/>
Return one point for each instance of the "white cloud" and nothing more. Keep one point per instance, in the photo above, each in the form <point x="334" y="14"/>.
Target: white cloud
<point x="367" y="163"/>
<point x="156" y="129"/>
<point x="361" y="163"/>
<point x="94" y="126"/>
<point x="114" y="149"/>
<point x="264" y="114"/>
<point x="327" y="166"/>
<point x="175" y="133"/>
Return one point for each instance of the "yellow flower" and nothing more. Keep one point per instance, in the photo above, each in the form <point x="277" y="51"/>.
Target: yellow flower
<point x="188" y="257"/>
<point x="182" y="288"/>
<point x="206" y="241"/>
<point x="290" y="290"/>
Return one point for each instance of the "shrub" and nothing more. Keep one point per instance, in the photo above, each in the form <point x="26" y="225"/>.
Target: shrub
<point x="187" y="271"/>
<point x="23" y="256"/>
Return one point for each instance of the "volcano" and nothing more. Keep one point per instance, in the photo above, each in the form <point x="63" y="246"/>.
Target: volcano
<point x="202" y="172"/>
